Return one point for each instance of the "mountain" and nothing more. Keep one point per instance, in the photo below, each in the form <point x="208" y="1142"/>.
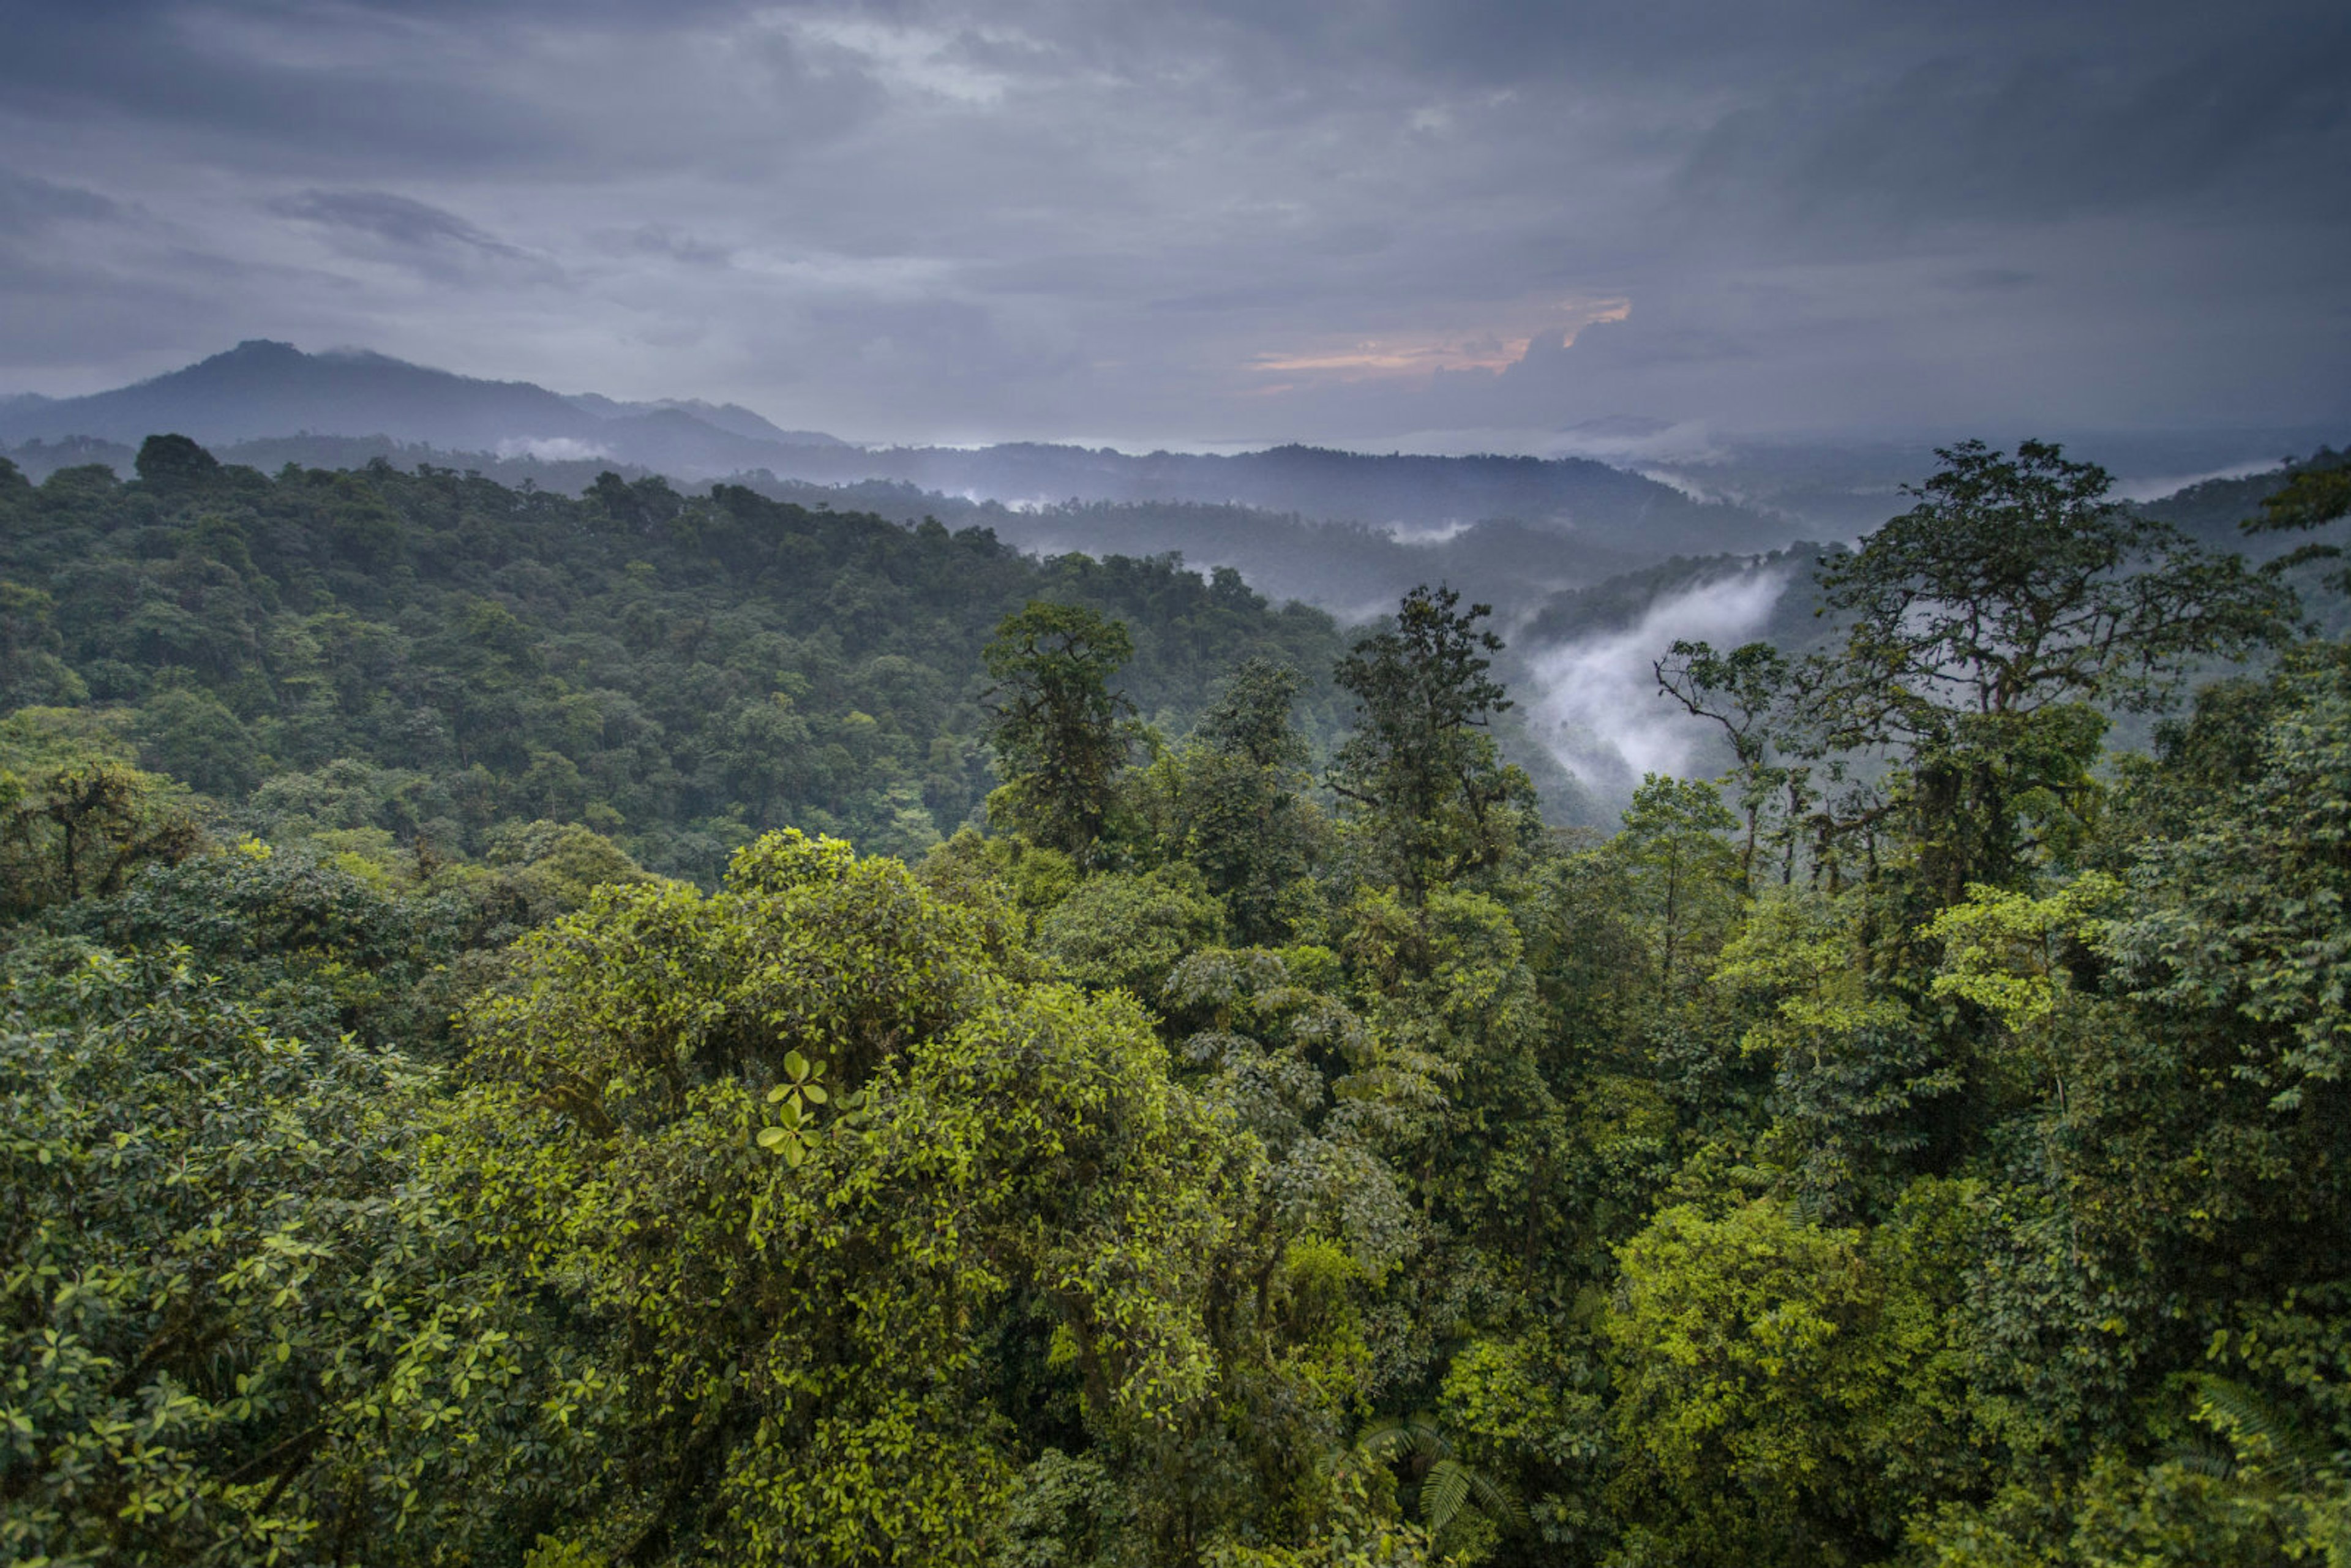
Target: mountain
<point x="261" y="389"/>
<point x="730" y="417"/>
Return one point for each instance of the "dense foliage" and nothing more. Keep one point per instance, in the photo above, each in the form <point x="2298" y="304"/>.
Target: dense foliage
<point x="1928" y="1147"/>
<point x="428" y="656"/>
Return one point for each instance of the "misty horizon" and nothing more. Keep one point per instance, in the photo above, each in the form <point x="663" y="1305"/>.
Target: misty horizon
<point x="2153" y="462"/>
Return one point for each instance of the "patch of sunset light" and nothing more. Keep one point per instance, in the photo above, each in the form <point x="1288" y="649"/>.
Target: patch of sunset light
<point x="1396" y="356"/>
<point x="1420" y="353"/>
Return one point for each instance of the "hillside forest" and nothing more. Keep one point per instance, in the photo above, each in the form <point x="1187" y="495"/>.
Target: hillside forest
<point x="649" y="1028"/>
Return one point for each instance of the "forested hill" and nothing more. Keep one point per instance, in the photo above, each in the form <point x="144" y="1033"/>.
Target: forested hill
<point x="431" y="655"/>
<point x="1612" y="508"/>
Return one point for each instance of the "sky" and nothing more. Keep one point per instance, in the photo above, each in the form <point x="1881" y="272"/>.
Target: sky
<point x="1427" y="224"/>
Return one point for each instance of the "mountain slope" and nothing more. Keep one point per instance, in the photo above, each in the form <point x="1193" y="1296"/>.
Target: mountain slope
<point x="730" y="417"/>
<point x="1414" y="494"/>
<point x="262" y="388"/>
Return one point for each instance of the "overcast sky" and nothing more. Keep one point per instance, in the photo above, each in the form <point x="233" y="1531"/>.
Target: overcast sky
<point x="1401" y="222"/>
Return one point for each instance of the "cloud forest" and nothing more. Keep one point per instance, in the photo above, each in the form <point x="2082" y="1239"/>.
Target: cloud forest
<point x="651" y="1028"/>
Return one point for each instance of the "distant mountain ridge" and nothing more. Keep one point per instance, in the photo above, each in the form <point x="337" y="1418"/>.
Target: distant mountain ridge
<point x="266" y="390"/>
<point x="1412" y="494"/>
<point x="731" y="417"/>
<point x="262" y="389"/>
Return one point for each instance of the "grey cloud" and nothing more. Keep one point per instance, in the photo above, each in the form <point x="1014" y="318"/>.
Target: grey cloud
<point x="437" y="89"/>
<point x="384" y="228"/>
<point x="155" y="64"/>
<point x="655" y="240"/>
<point x="59" y="314"/>
<point x="1102" y="218"/>
<point x="30" y="203"/>
<point x="396" y="220"/>
<point x="1957" y="140"/>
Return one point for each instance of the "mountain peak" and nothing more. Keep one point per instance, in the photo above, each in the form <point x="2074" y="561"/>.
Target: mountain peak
<point x="260" y="348"/>
<point x="263" y="388"/>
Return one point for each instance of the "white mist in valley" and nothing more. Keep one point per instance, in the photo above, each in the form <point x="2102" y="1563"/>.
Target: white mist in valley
<point x="1599" y="709"/>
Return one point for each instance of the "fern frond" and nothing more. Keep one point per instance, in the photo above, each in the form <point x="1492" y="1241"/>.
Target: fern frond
<point x="2265" y="1437"/>
<point x="1443" y="1493"/>
<point x="1496" y="1501"/>
<point x="2203" y="1456"/>
<point x="1393" y="1437"/>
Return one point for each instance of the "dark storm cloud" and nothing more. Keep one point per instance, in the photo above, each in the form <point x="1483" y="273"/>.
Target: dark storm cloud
<point x="398" y="231"/>
<point x="1956" y="138"/>
<point x="450" y="90"/>
<point x="396" y="220"/>
<point x="1230" y="218"/>
<point x="175" y="66"/>
<point x="28" y="204"/>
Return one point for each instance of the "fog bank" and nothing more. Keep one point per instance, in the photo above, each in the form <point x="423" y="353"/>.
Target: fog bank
<point x="1597" y="707"/>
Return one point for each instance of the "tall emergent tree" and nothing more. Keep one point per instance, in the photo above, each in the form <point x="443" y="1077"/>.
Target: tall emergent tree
<point x="1420" y="772"/>
<point x="1061" y="732"/>
<point x="1240" y="810"/>
<point x="1743" y="690"/>
<point x="1993" y="627"/>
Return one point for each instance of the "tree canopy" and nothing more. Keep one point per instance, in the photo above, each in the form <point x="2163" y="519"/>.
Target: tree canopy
<point x="1927" y="1147"/>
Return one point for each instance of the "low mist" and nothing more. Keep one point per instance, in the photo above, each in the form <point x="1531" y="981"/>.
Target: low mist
<point x="1596" y="703"/>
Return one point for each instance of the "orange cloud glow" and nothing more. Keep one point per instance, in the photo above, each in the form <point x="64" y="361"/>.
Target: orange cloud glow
<point x="1413" y="354"/>
<point x="1397" y="356"/>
